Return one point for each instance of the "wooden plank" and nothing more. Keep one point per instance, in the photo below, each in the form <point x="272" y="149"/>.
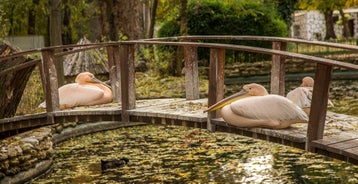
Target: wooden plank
<point x="51" y="84"/>
<point x="345" y="144"/>
<point x="191" y="73"/>
<point x="352" y="153"/>
<point x="278" y="70"/>
<point x="127" y="80"/>
<point x="114" y="71"/>
<point x="289" y="134"/>
<point x="343" y="136"/>
<point x="216" y="81"/>
<point x="319" y="104"/>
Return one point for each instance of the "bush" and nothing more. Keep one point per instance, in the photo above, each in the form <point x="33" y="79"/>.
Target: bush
<point x="218" y="18"/>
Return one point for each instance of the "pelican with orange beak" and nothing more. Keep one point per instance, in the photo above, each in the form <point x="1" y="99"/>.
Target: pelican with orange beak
<point x="87" y="90"/>
<point x="254" y="107"/>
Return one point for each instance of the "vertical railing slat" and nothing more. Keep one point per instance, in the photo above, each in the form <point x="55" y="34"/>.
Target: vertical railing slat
<point x="127" y="80"/>
<point x="50" y="76"/>
<point x="114" y="71"/>
<point x="278" y="70"/>
<point x="191" y="73"/>
<point x="318" y="110"/>
<point x="216" y="82"/>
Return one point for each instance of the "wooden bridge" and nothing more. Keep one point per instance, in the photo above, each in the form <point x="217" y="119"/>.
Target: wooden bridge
<point x="342" y="145"/>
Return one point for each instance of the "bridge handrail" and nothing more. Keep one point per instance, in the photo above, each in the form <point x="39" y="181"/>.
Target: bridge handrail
<point x="256" y="38"/>
<point x="121" y="58"/>
<point x="90" y="46"/>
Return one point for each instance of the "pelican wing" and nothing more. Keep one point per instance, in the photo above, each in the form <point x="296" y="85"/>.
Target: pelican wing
<point x="269" y="107"/>
<point x="73" y="94"/>
<point x="301" y="96"/>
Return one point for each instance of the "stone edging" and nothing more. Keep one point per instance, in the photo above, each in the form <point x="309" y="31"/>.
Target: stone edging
<point x="30" y="154"/>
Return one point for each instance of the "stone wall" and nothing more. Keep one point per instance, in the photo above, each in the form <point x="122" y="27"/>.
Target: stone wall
<point x="25" y="154"/>
<point x="29" y="154"/>
<point x="264" y="68"/>
<point x="308" y="25"/>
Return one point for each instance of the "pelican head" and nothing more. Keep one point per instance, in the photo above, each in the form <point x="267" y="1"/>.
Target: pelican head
<point x="307" y="82"/>
<point x="248" y="90"/>
<point x="87" y="77"/>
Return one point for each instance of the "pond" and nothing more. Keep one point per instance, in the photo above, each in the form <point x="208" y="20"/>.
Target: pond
<point x="175" y="154"/>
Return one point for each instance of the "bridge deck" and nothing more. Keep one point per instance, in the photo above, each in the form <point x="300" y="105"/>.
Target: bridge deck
<point x="340" y="135"/>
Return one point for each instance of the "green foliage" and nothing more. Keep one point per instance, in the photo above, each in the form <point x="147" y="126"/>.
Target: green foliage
<point x="14" y="17"/>
<point x="210" y="17"/>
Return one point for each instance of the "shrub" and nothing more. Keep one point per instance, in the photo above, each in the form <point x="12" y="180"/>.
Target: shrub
<point x="218" y="18"/>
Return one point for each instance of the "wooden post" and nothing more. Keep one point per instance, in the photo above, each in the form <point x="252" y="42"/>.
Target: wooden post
<point x="318" y="110"/>
<point x="216" y="82"/>
<point x="191" y="73"/>
<point x="114" y="71"/>
<point x="127" y="80"/>
<point x="278" y="70"/>
<point x="50" y="76"/>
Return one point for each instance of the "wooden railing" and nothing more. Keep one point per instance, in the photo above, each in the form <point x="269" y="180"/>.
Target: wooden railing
<point x="122" y="73"/>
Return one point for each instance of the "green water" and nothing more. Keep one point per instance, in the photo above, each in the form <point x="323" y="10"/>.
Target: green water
<point x="171" y="154"/>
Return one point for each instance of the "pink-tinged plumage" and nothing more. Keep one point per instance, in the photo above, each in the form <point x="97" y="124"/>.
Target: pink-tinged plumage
<point x="87" y="90"/>
<point x="259" y="109"/>
<point x="302" y="95"/>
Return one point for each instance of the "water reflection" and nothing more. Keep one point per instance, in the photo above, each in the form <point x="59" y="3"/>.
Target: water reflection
<point x="171" y="154"/>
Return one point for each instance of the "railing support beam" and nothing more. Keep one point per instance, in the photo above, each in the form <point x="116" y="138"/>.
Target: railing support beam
<point x="127" y="70"/>
<point x="191" y="73"/>
<point x="278" y="70"/>
<point x="216" y="85"/>
<point x="114" y="71"/>
<point x="318" y="110"/>
<point x="50" y="80"/>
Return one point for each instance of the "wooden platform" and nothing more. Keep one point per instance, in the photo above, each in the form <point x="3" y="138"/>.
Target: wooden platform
<point x="340" y="135"/>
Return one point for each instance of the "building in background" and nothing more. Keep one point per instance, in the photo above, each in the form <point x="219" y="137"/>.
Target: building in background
<point x="310" y="25"/>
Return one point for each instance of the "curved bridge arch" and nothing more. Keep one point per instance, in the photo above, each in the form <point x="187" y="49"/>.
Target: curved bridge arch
<point x="121" y="58"/>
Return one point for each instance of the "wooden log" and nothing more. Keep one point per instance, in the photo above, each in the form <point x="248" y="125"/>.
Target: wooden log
<point x="191" y="73"/>
<point x="114" y="71"/>
<point x="50" y="74"/>
<point x="216" y="82"/>
<point x="278" y="70"/>
<point x="127" y="71"/>
<point x="319" y="105"/>
<point x="16" y="73"/>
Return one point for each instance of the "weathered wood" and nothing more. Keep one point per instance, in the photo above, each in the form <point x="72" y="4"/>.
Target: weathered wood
<point x="12" y="82"/>
<point x="191" y="73"/>
<point x="114" y="71"/>
<point x="216" y="85"/>
<point x="85" y="61"/>
<point x="50" y="73"/>
<point x="127" y="80"/>
<point x="278" y="70"/>
<point x="319" y="104"/>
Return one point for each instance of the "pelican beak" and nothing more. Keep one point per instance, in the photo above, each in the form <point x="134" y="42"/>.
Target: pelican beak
<point x="237" y="96"/>
<point x="95" y="80"/>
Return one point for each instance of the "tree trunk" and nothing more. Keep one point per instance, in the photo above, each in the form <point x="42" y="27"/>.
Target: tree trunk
<point x="346" y="30"/>
<point x="329" y="25"/>
<point x="55" y="34"/>
<point x="13" y="83"/>
<point x="32" y="18"/>
<point x="66" y="33"/>
<point x="153" y="15"/>
<point x="105" y="23"/>
<point x="177" y="65"/>
<point x="127" y="18"/>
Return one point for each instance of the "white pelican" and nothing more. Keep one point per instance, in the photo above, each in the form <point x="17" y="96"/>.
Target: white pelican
<point x="87" y="90"/>
<point x="302" y="95"/>
<point x="259" y="110"/>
